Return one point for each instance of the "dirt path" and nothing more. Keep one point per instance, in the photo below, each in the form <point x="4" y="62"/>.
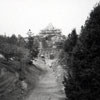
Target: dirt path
<point x="48" y="88"/>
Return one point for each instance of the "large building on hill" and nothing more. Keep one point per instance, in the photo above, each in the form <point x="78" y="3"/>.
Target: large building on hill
<point x="50" y="30"/>
<point x="48" y="40"/>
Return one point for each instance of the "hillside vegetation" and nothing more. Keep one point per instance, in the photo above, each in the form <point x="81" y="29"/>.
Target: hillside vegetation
<point x="17" y="73"/>
<point x="83" y="60"/>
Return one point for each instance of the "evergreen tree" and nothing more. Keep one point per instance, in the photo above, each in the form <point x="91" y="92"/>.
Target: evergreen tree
<point x="31" y="44"/>
<point x="70" y="41"/>
<point x="83" y="82"/>
<point x="21" y="42"/>
<point x="12" y="40"/>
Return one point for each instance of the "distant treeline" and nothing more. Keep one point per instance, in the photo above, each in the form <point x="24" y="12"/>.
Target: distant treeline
<point x="16" y="54"/>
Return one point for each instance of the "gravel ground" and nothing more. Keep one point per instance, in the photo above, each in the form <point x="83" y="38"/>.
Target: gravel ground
<point x="48" y="87"/>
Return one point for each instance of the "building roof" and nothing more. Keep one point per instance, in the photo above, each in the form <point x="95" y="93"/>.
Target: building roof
<point x="50" y="30"/>
<point x="50" y="27"/>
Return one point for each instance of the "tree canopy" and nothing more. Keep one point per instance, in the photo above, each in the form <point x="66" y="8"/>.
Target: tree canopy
<point x="83" y="82"/>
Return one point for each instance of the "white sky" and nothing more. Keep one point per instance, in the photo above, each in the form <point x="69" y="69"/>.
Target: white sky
<point x="18" y="16"/>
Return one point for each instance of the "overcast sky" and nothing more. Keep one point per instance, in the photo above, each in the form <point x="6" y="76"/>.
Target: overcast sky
<point x="18" y="16"/>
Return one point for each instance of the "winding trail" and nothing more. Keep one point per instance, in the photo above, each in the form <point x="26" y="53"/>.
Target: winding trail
<point x="47" y="88"/>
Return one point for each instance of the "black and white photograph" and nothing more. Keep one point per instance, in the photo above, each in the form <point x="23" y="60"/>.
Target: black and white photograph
<point x="49" y="49"/>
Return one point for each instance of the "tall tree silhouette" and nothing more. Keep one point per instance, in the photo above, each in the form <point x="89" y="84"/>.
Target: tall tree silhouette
<point x="70" y="41"/>
<point x="84" y="78"/>
<point x="31" y="44"/>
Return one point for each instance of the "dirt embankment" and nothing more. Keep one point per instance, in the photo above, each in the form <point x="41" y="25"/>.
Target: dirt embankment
<point x="11" y="88"/>
<point x="48" y="87"/>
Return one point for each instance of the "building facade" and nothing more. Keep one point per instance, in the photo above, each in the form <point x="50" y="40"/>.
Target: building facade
<point x="49" y="37"/>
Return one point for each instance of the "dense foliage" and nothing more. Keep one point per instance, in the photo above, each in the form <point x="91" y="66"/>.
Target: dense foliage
<point x="83" y="82"/>
<point x="70" y="41"/>
<point x="32" y="45"/>
<point x="15" y="63"/>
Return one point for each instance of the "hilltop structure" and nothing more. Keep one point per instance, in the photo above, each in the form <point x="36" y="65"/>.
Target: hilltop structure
<point x="48" y="40"/>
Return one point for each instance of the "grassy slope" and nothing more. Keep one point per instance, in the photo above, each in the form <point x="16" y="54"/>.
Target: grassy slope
<point x="10" y="85"/>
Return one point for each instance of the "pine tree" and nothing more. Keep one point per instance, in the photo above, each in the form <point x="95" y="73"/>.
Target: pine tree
<point x="71" y="41"/>
<point x="84" y="78"/>
<point x="31" y="45"/>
